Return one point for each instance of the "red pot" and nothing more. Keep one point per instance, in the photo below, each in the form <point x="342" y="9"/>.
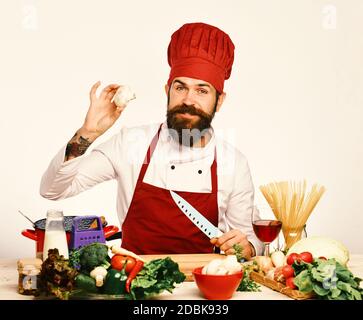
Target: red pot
<point x="39" y="232"/>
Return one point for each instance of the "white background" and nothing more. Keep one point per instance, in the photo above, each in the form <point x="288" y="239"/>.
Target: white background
<point x="294" y="100"/>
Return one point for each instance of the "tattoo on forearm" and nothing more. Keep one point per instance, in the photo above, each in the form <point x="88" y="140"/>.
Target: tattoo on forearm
<point x="76" y="147"/>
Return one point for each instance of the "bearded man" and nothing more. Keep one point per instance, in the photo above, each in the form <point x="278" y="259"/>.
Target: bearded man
<point x="181" y="154"/>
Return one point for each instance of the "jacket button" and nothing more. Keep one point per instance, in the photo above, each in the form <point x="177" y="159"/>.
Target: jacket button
<point x="172" y="167"/>
<point x="200" y="171"/>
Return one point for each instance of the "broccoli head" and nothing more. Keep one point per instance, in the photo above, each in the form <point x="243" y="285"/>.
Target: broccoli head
<point x="94" y="255"/>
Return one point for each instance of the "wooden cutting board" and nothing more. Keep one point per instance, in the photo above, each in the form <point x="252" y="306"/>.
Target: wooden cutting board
<point x="187" y="262"/>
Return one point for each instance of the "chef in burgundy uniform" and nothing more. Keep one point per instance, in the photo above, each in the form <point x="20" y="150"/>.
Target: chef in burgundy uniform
<point x="182" y="154"/>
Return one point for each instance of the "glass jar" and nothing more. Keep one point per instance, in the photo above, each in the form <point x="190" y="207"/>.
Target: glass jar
<point x="55" y="234"/>
<point x="293" y="235"/>
<point x="304" y="233"/>
<point x="29" y="270"/>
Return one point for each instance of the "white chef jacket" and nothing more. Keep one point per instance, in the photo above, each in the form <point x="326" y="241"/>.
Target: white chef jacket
<point x="172" y="167"/>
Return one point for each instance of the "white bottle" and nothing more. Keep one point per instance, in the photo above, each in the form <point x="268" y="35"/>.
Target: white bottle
<point x="55" y="235"/>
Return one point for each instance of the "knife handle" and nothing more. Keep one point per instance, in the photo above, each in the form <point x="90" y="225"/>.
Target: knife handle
<point x="219" y="233"/>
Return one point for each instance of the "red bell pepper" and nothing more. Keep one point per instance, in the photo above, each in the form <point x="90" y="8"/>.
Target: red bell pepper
<point x="132" y="275"/>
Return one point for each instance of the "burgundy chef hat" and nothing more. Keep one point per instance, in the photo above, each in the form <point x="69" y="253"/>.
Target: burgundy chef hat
<point x="201" y="51"/>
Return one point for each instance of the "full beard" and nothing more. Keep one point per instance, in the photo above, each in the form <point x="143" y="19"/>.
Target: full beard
<point x="188" y="130"/>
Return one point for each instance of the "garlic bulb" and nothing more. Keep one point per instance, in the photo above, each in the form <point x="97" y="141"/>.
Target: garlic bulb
<point x="123" y="95"/>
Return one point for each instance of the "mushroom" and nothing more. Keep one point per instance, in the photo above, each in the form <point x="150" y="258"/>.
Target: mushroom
<point x="99" y="274"/>
<point x="212" y="266"/>
<point x="231" y="264"/>
<point x="123" y="95"/>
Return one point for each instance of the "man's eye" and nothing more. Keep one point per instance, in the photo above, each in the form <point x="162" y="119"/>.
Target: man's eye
<point x="202" y="91"/>
<point x="179" y="88"/>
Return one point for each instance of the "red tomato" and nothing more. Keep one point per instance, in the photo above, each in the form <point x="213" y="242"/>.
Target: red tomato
<point x="119" y="261"/>
<point x="306" y="257"/>
<point x="288" y="271"/>
<point x="292" y="258"/>
<point x="290" y="283"/>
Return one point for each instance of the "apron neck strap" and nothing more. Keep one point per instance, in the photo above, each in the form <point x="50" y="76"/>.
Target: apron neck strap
<point x="148" y="155"/>
<point x="213" y="172"/>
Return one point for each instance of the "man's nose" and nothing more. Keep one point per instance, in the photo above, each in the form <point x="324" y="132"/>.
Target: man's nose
<point x="189" y="97"/>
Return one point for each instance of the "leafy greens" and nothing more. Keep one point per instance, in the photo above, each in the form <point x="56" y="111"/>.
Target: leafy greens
<point x="156" y="276"/>
<point x="328" y="279"/>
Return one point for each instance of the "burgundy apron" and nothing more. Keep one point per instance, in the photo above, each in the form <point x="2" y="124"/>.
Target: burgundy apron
<point x="155" y="225"/>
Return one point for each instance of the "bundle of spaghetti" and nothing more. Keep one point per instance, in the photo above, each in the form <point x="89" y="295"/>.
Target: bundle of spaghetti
<point x="292" y="205"/>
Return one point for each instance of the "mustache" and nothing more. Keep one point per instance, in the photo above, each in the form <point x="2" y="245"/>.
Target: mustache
<point x="184" y="108"/>
<point x="179" y="126"/>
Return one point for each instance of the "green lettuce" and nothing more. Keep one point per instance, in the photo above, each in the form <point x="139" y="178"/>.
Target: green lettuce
<point x="156" y="276"/>
<point x="328" y="279"/>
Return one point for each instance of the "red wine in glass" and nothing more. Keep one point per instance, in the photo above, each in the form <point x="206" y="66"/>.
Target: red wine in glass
<point x="267" y="231"/>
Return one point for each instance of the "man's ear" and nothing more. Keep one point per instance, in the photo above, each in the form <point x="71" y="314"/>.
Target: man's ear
<point x="221" y="98"/>
<point x="166" y="89"/>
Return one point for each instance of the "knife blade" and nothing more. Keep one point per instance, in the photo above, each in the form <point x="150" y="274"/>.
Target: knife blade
<point x="196" y="217"/>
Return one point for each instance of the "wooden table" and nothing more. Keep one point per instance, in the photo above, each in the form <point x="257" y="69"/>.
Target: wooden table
<point x="183" y="291"/>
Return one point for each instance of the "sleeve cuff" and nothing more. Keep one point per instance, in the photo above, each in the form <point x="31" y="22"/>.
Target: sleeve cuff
<point x="256" y="246"/>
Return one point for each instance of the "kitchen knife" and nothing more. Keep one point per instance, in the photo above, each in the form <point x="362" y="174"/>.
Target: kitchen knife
<point x="196" y="217"/>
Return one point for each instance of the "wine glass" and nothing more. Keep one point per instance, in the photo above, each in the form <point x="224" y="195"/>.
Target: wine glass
<point x="265" y="226"/>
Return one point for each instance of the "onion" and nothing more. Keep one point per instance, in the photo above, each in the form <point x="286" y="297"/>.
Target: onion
<point x="270" y="274"/>
<point x="278" y="258"/>
<point x="264" y="263"/>
<point x="278" y="275"/>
